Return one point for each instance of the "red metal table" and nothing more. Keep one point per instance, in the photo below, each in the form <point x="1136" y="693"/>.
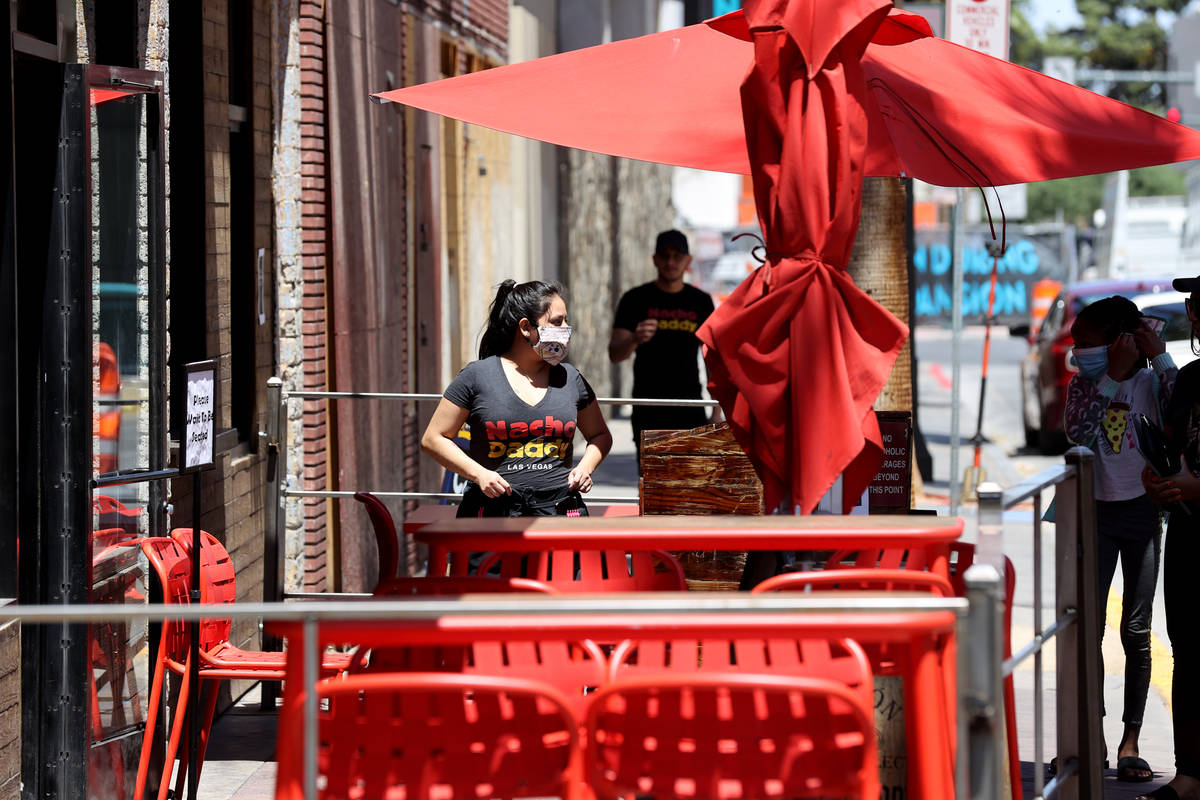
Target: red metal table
<point x="928" y="632"/>
<point x="933" y="535"/>
<point x="429" y="514"/>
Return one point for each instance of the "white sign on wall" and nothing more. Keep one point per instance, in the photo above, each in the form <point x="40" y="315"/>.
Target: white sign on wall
<point x="979" y="24"/>
<point x="201" y="415"/>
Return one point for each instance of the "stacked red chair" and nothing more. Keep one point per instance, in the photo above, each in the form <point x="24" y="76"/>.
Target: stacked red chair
<point x="170" y="563"/>
<point x="426" y="735"/>
<point x="734" y="719"/>
<point x="961" y="556"/>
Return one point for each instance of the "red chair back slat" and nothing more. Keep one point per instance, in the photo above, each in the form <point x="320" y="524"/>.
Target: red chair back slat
<point x="592" y="571"/>
<point x="841" y="660"/>
<point x="218" y="583"/>
<point x="730" y="735"/>
<point x="858" y="580"/>
<point x="172" y="568"/>
<point x="384" y="528"/>
<point x="574" y="669"/>
<point x="439" y="735"/>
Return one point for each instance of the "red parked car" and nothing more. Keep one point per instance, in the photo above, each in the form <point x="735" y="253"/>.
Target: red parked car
<point x="1049" y="365"/>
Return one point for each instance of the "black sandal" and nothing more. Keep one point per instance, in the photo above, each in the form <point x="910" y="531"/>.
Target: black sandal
<point x="1127" y="765"/>
<point x="1052" y="769"/>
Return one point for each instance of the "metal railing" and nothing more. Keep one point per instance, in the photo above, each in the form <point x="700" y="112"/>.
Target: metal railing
<point x="982" y="667"/>
<point x="1075" y="628"/>
<point x="311" y="614"/>
<point x="279" y="492"/>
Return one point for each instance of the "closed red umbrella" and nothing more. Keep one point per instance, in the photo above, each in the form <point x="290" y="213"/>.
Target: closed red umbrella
<point x="809" y="97"/>
<point x="798" y="353"/>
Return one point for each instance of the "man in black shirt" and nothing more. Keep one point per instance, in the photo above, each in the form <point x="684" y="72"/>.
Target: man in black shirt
<point x="656" y="323"/>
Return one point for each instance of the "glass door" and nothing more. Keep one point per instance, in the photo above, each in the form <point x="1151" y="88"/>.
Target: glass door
<point x="124" y="190"/>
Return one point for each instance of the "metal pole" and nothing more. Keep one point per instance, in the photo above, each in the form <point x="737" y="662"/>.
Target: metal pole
<point x="982" y="700"/>
<point x="275" y="519"/>
<point x="1078" y="651"/>
<point x="310" y="708"/>
<point x="1066" y="521"/>
<point x="1038" y="751"/>
<point x="1088" y="678"/>
<point x="956" y="326"/>
<point x="193" y="706"/>
<point x="978" y="438"/>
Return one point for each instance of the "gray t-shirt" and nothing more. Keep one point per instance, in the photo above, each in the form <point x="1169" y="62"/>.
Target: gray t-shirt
<point x="528" y="445"/>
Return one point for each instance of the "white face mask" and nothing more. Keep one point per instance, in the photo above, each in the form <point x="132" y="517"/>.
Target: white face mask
<point x="552" y="343"/>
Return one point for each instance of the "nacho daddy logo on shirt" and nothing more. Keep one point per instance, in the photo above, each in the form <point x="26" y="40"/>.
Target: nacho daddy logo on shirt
<point x="674" y="319"/>
<point x="542" y="438"/>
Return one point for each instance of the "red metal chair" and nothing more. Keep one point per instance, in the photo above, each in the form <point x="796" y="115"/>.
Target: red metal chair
<point x="961" y="555"/>
<point x="421" y="735"/>
<point x="592" y="570"/>
<point x="218" y="585"/>
<point x="112" y="513"/>
<point x="460" y="584"/>
<point x="735" y="719"/>
<point x="573" y="668"/>
<point x="170" y="562"/>
<point x="385" y="534"/>
<point x="858" y="580"/>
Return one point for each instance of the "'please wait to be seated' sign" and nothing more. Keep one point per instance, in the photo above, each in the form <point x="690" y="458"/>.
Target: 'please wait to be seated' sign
<point x="197" y="446"/>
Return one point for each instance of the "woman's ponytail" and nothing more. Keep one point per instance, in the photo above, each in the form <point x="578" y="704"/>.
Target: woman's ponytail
<point x="513" y="303"/>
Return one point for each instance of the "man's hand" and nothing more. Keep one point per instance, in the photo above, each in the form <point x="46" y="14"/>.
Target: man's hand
<point x="492" y="484"/>
<point x="1122" y="355"/>
<point x="645" y="330"/>
<point x="1148" y="341"/>
<point x="623" y="341"/>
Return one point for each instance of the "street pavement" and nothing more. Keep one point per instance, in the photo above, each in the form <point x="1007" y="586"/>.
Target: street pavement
<point x="240" y="763"/>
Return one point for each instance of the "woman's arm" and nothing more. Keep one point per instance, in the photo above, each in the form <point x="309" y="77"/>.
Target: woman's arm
<point x="595" y="430"/>
<point x="1086" y="404"/>
<point x="438" y="442"/>
<point x="1160" y="360"/>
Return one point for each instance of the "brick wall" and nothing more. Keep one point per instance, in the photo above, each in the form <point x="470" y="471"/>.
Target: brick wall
<point x="233" y="495"/>
<point x="299" y="193"/>
<point x="313" y="305"/>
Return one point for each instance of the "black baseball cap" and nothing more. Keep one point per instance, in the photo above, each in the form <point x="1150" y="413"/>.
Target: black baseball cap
<point x="671" y="239"/>
<point x="1188" y="285"/>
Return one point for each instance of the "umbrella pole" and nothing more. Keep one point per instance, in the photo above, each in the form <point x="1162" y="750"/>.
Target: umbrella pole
<point x="974" y="473"/>
<point x="956" y="323"/>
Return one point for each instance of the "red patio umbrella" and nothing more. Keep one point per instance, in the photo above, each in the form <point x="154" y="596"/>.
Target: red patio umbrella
<point x="809" y="97"/>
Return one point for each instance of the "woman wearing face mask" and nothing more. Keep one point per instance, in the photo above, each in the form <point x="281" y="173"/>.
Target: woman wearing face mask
<point x="524" y="406"/>
<point x="1112" y="345"/>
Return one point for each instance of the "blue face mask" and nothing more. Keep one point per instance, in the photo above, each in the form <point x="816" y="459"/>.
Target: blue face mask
<point x="1092" y="361"/>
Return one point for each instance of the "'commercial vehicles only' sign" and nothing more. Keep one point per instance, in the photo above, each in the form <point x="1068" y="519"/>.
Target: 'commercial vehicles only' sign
<point x="979" y="24"/>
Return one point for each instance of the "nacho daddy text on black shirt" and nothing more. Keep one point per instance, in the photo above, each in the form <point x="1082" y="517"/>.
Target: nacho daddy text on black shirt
<point x="665" y="366"/>
<point x="528" y="445"/>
